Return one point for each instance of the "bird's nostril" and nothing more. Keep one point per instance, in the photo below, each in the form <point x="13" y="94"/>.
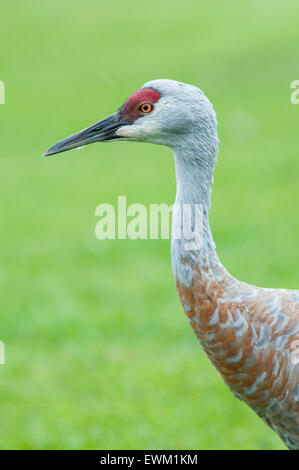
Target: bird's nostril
<point x="96" y="129"/>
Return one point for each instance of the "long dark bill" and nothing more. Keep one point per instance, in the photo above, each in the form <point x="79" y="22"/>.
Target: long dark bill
<point x="101" y="131"/>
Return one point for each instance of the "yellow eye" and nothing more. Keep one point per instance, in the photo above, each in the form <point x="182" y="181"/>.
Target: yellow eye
<point x="146" y="108"/>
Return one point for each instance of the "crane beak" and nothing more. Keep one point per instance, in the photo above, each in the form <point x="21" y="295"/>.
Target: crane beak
<point x="101" y="131"/>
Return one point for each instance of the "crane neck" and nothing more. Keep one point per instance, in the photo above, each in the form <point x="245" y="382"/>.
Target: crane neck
<point x="194" y="176"/>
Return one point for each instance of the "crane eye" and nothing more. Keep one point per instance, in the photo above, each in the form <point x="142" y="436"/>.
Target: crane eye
<point x="146" y="108"/>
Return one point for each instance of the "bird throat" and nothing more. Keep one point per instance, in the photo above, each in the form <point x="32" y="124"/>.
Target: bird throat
<point x="201" y="280"/>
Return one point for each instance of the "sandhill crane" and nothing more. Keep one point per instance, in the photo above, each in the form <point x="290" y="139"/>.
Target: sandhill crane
<point x="250" y="334"/>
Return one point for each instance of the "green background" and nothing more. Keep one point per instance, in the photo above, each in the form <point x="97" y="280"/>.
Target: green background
<point x="98" y="351"/>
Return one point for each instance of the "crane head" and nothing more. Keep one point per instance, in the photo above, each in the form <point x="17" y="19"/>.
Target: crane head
<point x="162" y="112"/>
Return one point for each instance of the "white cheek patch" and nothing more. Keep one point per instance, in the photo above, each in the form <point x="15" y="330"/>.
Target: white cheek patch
<point x="140" y="130"/>
<point x="125" y="131"/>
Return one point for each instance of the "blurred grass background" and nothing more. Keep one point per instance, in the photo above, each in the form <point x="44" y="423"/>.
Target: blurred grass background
<point x="98" y="351"/>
